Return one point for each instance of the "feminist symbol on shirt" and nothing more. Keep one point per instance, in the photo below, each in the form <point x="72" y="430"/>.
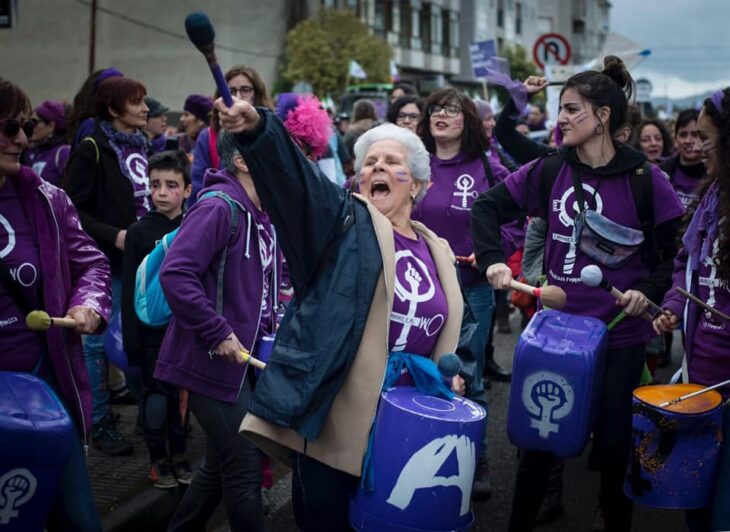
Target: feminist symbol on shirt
<point x="416" y="276"/>
<point x="10" y="246"/>
<point x="137" y="166"/>
<point x="464" y="184"/>
<point x="567" y="219"/>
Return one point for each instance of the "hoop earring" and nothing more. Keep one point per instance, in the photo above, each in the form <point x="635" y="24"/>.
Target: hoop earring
<point x="599" y="129"/>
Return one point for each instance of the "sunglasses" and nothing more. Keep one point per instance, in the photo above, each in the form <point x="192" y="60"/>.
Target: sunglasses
<point x="11" y="126"/>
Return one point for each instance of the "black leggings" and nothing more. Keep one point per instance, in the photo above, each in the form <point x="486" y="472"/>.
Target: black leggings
<point x="611" y="440"/>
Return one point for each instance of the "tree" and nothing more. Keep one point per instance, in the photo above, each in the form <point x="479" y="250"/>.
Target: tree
<point x="319" y="51"/>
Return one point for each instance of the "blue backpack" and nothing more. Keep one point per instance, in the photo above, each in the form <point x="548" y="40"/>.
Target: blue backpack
<point x="149" y="299"/>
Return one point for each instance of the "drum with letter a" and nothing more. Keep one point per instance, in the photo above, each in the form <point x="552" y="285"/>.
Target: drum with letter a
<point x="35" y="438"/>
<point x="424" y="456"/>
<point x="676" y="449"/>
<point x="557" y="376"/>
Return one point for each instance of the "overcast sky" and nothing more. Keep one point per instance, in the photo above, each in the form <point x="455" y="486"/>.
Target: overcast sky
<point x="689" y="40"/>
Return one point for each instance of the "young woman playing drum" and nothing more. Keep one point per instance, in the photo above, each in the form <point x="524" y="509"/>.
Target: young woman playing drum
<point x="593" y="106"/>
<point x="703" y="268"/>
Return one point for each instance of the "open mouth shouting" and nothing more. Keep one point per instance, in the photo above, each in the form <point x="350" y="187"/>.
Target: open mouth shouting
<point x="379" y="189"/>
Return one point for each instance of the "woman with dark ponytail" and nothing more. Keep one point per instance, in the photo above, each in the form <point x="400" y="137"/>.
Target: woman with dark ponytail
<point x="704" y="260"/>
<point x="617" y="183"/>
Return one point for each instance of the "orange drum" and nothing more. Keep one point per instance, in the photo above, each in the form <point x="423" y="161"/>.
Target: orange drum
<point x="676" y="449"/>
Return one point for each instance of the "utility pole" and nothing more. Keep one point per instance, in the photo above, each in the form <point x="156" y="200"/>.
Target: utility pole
<point x="92" y="38"/>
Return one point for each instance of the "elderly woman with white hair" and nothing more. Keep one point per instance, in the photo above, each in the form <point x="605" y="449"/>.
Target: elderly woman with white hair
<point x="362" y="272"/>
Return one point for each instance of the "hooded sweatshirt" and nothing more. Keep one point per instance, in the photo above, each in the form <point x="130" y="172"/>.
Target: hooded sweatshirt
<point x="684" y="179"/>
<point x="446" y="207"/>
<point x="49" y="162"/>
<point x="608" y="191"/>
<point x="189" y="277"/>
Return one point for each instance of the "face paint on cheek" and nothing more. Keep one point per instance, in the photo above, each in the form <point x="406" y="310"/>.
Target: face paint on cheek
<point x="581" y="117"/>
<point x="402" y="177"/>
<point x="458" y="122"/>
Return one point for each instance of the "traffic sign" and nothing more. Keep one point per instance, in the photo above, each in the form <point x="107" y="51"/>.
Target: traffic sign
<point x="551" y="49"/>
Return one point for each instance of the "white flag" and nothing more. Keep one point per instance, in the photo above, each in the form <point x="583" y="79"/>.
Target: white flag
<point x="394" y="74"/>
<point x="356" y="70"/>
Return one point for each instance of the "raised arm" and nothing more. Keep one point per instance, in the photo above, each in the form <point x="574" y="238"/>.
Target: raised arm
<point x="306" y="208"/>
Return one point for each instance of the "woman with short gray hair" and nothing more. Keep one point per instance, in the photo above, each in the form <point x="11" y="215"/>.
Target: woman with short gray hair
<point x="362" y="272"/>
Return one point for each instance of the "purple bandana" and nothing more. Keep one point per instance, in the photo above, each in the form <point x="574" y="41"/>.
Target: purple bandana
<point x="704" y="220"/>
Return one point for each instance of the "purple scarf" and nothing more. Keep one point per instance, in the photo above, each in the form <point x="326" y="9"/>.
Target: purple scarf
<point x="705" y="219"/>
<point x="131" y="150"/>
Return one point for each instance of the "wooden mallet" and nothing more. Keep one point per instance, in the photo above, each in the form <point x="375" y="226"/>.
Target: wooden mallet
<point x="39" y="320"/>
<point x="255" y="362"/>
<point x="550" y="296"/>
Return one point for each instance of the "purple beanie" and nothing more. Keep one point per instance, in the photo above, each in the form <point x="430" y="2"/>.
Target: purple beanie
<point x="200" y="106"/>
<point x="53" y="111"/>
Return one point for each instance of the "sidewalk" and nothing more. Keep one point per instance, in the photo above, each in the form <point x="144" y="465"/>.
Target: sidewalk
<point x="123" y="493"/>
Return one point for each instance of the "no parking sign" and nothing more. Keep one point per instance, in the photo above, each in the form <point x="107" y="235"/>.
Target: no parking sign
<point x="551" y="49"/>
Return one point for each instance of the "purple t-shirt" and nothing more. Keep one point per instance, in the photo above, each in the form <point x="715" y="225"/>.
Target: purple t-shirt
<point x="136" y="164"/>
<point x="710" y="360"/>
<point x="48" y="163"/>
<point x="685" y="184"/>
<point x="268" y="260"/>
<point x="446" y="208"/>
<point x="419" y="306"/>
<point x="20" y="348"/>
<point x="612" y="197"/>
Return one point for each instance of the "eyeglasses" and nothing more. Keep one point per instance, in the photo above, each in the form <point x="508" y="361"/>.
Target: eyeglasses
<point x="451" y="110"/>
<point x="11" y="126"/>
<point x="245" y="90"/>
<point x="413" y="117"/>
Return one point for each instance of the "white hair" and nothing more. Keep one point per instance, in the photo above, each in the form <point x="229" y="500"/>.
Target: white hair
<point x="419" y="162"/>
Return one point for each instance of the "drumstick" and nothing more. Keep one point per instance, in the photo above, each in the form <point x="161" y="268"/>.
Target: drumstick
<point x="694" y="394"/>
<point x="39" y="320"/>
<point x="702" y="304"/>
<point x="550" y="296"/>
<point x="255" y="362"/>
<point x="593" y="276"/>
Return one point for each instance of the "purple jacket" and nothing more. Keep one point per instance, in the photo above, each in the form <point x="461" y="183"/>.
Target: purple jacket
<point x="49" y="162"/>
<point x="75" y="273"/>
<point x="189" y="279"/>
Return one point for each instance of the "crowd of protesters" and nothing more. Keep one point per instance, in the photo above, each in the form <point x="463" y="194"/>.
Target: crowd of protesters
<point x="283" y="226"/>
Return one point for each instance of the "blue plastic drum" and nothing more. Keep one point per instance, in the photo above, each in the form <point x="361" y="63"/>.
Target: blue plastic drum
<point x="264" y="347"/>
<point x="35" y="439"/>
<point x="676" y="449"/>
<point x="424" y="458"/>
<point x="557" y="375"/>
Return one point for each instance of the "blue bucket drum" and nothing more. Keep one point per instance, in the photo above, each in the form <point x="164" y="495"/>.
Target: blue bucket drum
<point x="424" y="458"/>
<point x="557" y="375"/>
<point x="35" y="436"/>
<point x="676" y="449"/>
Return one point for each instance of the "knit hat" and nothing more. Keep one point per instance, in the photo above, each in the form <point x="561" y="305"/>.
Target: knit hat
<point x="53" y="111"/>
<point x="155" y="107"/>
<point x="200" y="106"/>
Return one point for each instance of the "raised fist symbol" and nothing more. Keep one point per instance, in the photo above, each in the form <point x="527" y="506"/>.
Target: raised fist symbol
<point x="15" y="488"/>
<point x="548" y="395"/>
<point x="413" y="277"/>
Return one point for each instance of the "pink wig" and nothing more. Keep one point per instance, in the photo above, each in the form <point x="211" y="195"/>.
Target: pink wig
<point x="310" y="126"/>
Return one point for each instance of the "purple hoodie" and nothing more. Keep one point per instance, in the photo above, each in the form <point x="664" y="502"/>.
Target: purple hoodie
<point x="189" y="279"/>
<point x="74" y="273"/>
<point x="446" y="207"/>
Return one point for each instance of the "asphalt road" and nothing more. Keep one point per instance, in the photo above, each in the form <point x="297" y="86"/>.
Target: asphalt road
<point x="580" y="486"/>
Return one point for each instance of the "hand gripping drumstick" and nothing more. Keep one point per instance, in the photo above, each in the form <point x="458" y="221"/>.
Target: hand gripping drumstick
<point x="694" y="394"/>
<point x="593" y="276"/>
<point x="702" y="304"/>
<point x="550" y="296"/>
<point x="39" y="320"/>
<point x="255" y="362"/>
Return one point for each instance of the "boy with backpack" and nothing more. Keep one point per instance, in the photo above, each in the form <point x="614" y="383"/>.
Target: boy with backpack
<point x="164" y="430"/>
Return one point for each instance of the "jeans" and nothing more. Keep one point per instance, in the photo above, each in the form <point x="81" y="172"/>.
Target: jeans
<point x="74" y="507"/>
<point x="321" y="495"/>
<point x="96" y="361"/>
<point x="611" y="441"/>
<point x="231" y="469"/>
<point x="481" y="300"/>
